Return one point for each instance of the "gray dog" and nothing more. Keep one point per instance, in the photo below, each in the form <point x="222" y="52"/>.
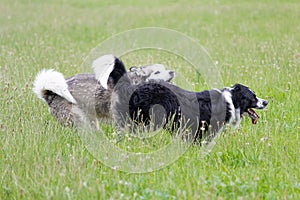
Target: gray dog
<point x="81" y="99"/>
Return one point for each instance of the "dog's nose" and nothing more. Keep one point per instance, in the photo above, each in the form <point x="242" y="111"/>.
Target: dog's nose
<point x="172" y="73"/>
<point x="265" y="103"/>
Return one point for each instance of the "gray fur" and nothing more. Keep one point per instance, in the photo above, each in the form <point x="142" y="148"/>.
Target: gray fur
<point x="92" y="99"/>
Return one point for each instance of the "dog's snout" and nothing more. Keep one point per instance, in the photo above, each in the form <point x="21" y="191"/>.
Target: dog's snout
<point x="172" y="73"/>
<point x="261" y="103"/>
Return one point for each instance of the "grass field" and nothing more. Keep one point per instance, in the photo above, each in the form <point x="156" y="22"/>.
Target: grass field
<point x="256" y="43"/>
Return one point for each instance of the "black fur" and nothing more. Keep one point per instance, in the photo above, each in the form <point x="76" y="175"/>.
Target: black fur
<point x="145" y="97"/>
<point x="117" y="73"/>
<point x="194" y="109"/>
<point x="202" y="112"/>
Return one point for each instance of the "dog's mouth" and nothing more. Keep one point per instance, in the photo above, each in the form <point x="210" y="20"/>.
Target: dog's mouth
<point x="253" y="115"/>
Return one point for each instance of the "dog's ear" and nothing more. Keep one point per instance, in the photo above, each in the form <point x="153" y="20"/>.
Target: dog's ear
<point x="133" y="68"/>
<point x="103" y="66"/>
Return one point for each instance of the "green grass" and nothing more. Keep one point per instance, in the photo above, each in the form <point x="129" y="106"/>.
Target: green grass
<point x="254" y="42"/>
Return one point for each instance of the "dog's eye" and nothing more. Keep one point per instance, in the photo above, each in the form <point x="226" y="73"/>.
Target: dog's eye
<point x="156" y="72"/>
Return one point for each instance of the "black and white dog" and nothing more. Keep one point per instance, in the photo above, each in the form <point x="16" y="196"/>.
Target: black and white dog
<point x="202" y="112"/>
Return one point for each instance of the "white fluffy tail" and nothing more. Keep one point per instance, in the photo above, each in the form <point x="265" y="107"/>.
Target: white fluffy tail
<point x="53" y="81"/>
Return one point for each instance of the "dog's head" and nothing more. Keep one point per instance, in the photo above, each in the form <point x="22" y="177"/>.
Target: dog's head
<point x="109" y="69"/>
<point x="138" y="75"/>
<point x="245" y="100"/>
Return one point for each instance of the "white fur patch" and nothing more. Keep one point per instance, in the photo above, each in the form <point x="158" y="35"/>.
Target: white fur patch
<point x="260" y="103"/>
<point x="53" y="81"/>
<point x="228" y="99"/>
<point x="154" y="67"/>
<point x="161" y="75"/>
<point x="102" y="67"/>
<point x="150" y="72"/>
<point x="238" y="119"/>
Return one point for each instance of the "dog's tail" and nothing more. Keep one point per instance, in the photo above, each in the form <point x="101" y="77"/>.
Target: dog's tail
<point x="108" y="68"/>
<point x="50" y="81"/>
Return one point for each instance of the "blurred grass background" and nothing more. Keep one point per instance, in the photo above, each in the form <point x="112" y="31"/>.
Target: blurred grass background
<point x="252" y="42"/>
